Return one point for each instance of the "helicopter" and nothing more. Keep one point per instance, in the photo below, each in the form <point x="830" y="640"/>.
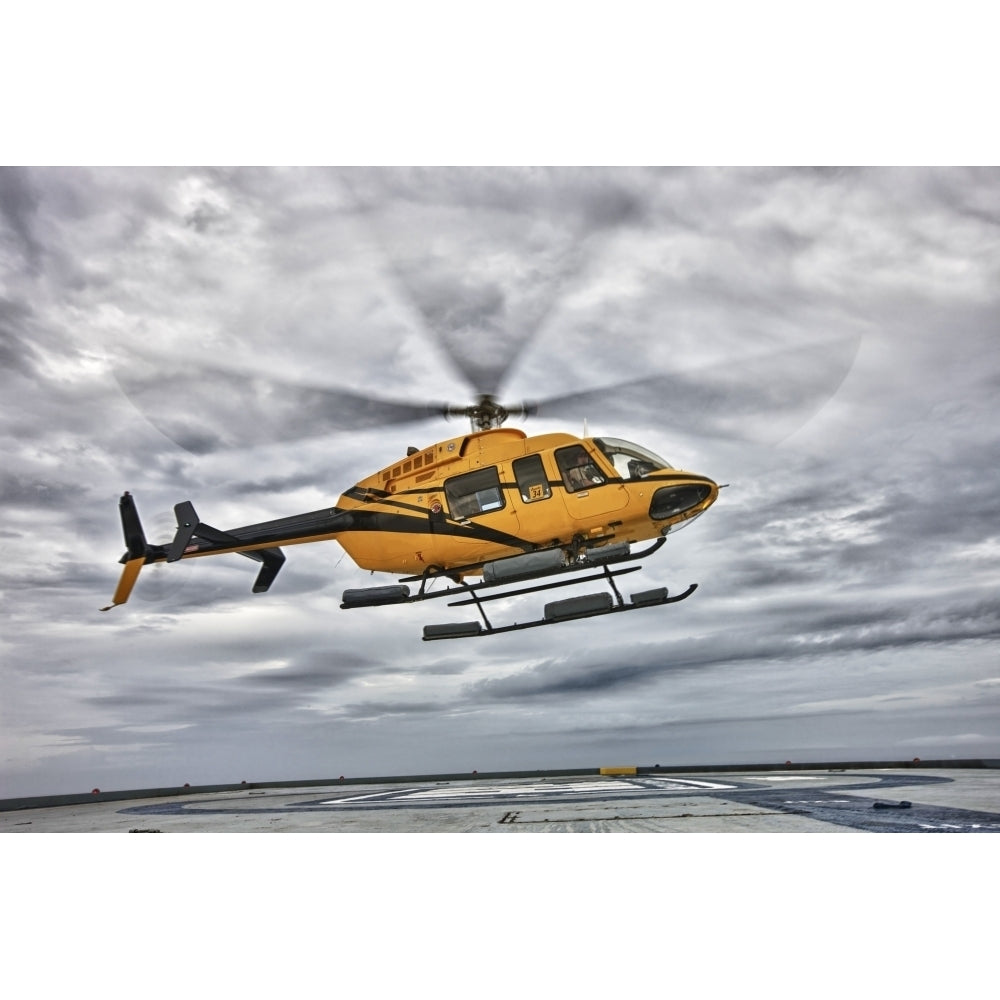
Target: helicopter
<point x="492" y="513"/>
<point x="516" y="514"/>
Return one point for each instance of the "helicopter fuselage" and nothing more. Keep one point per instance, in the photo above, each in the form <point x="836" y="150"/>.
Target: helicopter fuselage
<point x="459" y="509"/>
<point x="496" y="493"/>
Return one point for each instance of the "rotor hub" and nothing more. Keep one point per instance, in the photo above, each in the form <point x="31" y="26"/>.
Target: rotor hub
<point x="488" y="414"/>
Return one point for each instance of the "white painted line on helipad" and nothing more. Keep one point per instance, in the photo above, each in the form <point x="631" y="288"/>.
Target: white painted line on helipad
<point x="482" y="791"/>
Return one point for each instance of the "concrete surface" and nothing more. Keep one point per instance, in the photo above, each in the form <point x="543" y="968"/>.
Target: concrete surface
<point x="865" y="798"/>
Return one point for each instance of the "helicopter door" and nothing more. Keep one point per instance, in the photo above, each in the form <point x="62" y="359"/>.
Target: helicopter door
<point x="588" y="494"/>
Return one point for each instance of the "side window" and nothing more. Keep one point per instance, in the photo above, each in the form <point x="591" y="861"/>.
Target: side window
<point x="531" y="479"/>
<point x="474" y="493"/>
<point x="578" y="469"/>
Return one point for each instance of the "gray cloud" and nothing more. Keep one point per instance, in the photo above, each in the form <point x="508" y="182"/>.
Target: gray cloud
<point x="793" y="634"/>
<point x="18" y="205"/>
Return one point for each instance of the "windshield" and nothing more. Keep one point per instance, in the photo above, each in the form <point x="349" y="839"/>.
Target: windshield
<point x="630" y="461"/>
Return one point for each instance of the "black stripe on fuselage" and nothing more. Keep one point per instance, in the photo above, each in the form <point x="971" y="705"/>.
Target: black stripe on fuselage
<point x="331" y="521"/>
<point x="374" y="520"/>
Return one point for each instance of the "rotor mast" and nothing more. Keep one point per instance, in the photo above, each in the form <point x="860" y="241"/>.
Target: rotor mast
<point x="487" y="414"/>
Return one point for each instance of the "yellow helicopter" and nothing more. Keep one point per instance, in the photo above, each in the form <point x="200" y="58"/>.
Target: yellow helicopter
<point x="492" y="506"/>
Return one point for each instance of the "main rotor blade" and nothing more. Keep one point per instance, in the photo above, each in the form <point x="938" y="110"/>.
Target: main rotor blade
<point x="204" y="410"/>
<point x="485" y="258"/>
<point x="763" y="399"/>
<point x="468" y="323"/>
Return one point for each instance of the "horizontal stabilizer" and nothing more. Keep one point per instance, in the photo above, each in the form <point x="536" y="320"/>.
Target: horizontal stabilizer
<point x="187" y="525"/>
<point x="190" y="526"/>
<point x="273" y="560"/>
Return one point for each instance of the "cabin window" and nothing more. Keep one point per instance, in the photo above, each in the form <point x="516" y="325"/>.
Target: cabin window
<point x="474" y="493"/>
<point x="578" y="469"/>
<point x="531" y="479"/>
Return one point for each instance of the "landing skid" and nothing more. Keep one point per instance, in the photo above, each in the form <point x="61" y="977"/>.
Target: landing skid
<point x="586" y="606"/>
<point x="501" y="579"/>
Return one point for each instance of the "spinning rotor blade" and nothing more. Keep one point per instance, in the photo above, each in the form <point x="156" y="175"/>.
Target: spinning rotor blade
<point x="472" y="333"/>
<point x="204" y="410"/>
<point x="762" y="399"/>
<point x="483" y="259"/>
<point x="482" y="262"/>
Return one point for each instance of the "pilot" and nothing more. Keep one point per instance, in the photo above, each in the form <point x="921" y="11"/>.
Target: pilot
<point x="582" y="473"/>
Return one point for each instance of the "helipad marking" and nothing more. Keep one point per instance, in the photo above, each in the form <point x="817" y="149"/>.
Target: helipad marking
<point x="485" y="791"/>
<point x="370" y="795"/>
<point x="691" y="783"/>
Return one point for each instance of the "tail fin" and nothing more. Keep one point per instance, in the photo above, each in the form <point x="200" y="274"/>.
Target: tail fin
<point x="136" y="550"/>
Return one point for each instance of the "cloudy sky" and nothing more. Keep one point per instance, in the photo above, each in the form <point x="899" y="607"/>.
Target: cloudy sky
<point x="824" y="341"/>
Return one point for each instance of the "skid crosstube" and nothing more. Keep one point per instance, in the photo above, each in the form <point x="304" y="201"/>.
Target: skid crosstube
<point x="505" y="585"/>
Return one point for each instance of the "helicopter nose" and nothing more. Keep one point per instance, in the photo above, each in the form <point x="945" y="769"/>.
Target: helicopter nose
<point x="672" y="501"/>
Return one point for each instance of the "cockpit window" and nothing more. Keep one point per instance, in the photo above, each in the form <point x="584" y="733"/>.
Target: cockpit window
<point x="630" y="460"/>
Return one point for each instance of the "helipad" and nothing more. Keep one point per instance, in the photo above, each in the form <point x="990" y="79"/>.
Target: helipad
<point x="865" y="798"/>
